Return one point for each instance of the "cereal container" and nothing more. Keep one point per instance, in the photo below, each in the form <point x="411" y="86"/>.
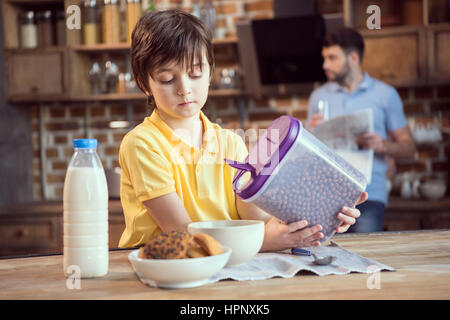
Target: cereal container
<point x="293" y="176"/>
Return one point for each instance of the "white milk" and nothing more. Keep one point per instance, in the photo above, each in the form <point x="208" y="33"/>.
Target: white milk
<point x="85" y="222"/>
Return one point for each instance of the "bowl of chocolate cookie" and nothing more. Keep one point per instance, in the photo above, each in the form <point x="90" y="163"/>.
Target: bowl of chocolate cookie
<point x="179" y="260"/>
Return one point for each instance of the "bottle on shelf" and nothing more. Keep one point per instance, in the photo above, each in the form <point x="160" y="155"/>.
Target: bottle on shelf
<point x="196" y="9"/>
<point x="134" y="12"/>
<point x="148" y="5"/>
<point x="45" y="29"/>
<point x="111" y="77"/>
<point x="28" y="30"/>
<point x="208" y="16"/>
<point x="85" y="217"/>
<point x="90" y="26"/>
<point x="95" y="78"/>
<point x="61" y="28"/>
<point x="111" y="21"/>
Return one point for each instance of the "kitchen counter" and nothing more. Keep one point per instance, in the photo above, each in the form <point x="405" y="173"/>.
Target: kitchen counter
<point x="36" y="227"/>
<point x="115" y="207"/>
<point x="51" y="207"/>
<point x="421" y="260"/>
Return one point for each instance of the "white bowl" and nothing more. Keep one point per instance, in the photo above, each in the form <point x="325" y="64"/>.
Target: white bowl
<point x="179" y="273"/>
<point x="433" y="190"/>
<point x="244" y="237"/>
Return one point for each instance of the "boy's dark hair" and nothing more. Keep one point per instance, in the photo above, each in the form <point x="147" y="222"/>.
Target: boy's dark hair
<point x="348" y="39"/>
<point x="163" y="37"/>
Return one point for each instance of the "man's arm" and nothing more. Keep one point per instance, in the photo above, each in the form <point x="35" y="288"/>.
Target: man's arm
<point x="400" y="146"/>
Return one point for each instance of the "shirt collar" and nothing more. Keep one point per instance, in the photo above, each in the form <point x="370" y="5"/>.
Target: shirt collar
<point x="209" y="133"/>
<point x="367" y="82"/>
<point x="364" y="85"/>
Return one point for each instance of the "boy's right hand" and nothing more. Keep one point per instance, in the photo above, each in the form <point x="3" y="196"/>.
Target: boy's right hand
<point x="280" y="236"/>
<point x="316" y="119"/>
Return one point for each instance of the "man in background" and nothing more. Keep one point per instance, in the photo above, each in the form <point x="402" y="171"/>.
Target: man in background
<point x="349" y="89"/>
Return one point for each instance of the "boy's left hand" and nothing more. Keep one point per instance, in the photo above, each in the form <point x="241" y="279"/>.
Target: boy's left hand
<point x="348" y="215"/>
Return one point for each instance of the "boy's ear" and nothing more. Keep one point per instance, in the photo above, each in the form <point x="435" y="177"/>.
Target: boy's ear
<point x="142" y="87"/>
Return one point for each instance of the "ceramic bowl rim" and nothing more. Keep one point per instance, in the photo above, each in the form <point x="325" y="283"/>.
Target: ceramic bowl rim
<point x="227" y="224"/>
<point x="133" y="255"/>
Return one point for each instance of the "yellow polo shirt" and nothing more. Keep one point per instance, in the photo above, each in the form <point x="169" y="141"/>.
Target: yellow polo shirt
<point x="155" y="162"/>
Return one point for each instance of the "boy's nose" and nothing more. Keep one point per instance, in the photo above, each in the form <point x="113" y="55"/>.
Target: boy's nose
<point x="185" y="88"/>
<point x="183" y="92"/>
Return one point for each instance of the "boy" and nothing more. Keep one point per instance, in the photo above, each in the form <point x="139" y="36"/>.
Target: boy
<point x="172" y="164"/>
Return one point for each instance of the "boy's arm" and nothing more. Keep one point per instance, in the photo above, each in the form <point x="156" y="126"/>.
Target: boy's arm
<point x="278" y="235"/>
<point x="249" y="211"/>
<point x="168" y="212"/>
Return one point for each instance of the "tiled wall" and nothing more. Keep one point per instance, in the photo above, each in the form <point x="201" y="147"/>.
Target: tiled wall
<point x="60" y="124"/>
<point x="428" y="105"/>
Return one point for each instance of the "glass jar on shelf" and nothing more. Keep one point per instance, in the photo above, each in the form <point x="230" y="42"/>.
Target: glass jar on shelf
<point x="148" y="5"/>
<point x="111" y="77"/>
<point x="208" y="16"/>
<point x="130" y="84"/>
<point x="111" y="21"/>
<point x="95" y="78"/>
<point x="45" y="28"/>
<point x="61" y="28"/>
<point x="227" y="78"/>
<point x="134" y="12"/>
<point x="28" y="30"/>
<point x="90" y="25"/>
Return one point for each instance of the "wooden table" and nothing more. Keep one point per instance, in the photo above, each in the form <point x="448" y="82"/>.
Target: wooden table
<point x="422" y="260"/>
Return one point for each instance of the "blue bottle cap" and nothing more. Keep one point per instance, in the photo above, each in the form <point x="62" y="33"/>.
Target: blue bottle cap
<point x="85" y="143"/>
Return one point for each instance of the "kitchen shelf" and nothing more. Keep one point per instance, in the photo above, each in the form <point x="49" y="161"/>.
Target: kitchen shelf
<point x="226" y="92"/>
<point x="42" y="98"/>
<point x="108" y="97"/>
<point x="124" y="46"/>
<point x="36" y="2"/>
<point x="35" y="50"/>
<point x="225" y="41"/>
<point x="140" y="96"/>
<point x="37" y="98"/>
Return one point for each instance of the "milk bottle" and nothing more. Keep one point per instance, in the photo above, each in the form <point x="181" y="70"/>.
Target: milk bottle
<point x="85" y="213"/>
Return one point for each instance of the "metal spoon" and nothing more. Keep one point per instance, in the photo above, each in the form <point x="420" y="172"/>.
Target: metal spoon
<point x="323" y="261"/>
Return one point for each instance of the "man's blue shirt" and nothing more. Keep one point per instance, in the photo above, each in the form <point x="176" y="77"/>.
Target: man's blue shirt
<point x="388" y="116"/>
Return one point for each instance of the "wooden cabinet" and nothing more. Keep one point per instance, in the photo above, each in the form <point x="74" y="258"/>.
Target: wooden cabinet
<point x="438" y="37"/>
<point x="407" y="214"/>
<point x="413" y="45"/>
<point x="32" y="73"/>
<point x="37" y="72"/>
<point x="396" y="56"/>
<point x="26" y="234"/>
<point x="37" y="227"/>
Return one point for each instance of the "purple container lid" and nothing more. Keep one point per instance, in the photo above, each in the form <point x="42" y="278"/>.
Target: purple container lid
<point x="266" y="155"/>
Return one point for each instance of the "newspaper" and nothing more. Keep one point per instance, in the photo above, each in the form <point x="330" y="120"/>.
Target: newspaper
<point x="341" y="133"/>
<point x="286" y="265"/>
